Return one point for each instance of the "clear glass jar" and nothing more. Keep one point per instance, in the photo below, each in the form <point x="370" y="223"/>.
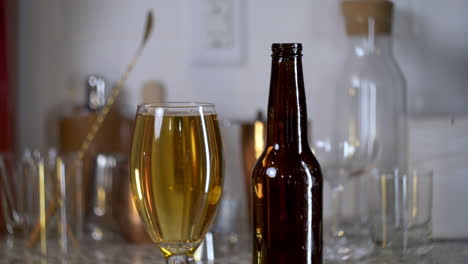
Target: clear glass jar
<point x="368" y="128"/>
<point x="372" y="95"/>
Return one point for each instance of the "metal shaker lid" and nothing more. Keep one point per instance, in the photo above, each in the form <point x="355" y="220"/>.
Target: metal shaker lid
<point x="96" y="92"/>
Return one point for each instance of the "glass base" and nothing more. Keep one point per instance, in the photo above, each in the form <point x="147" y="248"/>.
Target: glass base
<point x="11" y="247"/>
<point x="414" y="251"/>
<point x="178" y="249"/>
<point x="179" y="259"/>
<point x="347" y="248"/>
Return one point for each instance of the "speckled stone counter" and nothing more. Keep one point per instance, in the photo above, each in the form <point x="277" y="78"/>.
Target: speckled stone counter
<point x="450" y="252"/>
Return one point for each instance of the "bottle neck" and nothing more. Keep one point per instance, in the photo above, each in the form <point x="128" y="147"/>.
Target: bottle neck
<point x="287" y="111"/>
<point x="368" y="45"/>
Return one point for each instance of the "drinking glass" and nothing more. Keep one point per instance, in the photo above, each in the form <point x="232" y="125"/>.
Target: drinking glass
<point x="101" y="224"/>
<point x="344" y="160"/>
<point x="176" y="168"/>
<point x="15" y="172"/>
<point x="400" y="203"/>
<point x="54" y="205"/>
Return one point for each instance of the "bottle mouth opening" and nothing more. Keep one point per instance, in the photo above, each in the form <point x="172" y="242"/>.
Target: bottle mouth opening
<point x="279" y="49"/>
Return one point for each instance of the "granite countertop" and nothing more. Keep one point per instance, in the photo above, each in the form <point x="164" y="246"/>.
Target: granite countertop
<point x="443" y="252"/>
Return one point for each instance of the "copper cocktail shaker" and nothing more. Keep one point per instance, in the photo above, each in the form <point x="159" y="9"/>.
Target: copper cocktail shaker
<point x="253" y="138"/>
<point x="130" y="224"/>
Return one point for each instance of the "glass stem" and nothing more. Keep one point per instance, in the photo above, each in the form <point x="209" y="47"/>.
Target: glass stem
<point x="179" y="259"/>
<point x="337" y="223"/>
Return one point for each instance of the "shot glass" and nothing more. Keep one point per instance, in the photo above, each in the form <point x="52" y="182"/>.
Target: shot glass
<point x="400" y="210"/>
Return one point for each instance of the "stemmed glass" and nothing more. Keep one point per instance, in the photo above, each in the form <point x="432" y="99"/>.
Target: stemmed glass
<point x="335" y="158"/>
<point x="177" y="174"/>
<point x="348" y="152"/>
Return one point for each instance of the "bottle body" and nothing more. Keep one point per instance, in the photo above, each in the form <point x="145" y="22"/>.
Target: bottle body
<point x="372" y="117"/>
<point x="287" y="209"/>
<point x="287" y="181"/>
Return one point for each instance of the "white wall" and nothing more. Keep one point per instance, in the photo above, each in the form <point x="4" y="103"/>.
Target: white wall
<point x="63" y="41"/>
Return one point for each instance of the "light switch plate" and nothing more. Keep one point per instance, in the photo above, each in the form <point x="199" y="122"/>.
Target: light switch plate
<point x="217" y="32"/>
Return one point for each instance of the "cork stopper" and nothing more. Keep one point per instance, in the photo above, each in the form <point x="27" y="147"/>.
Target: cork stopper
<point x="152" y="92"/>
<point x="358" y="13"/>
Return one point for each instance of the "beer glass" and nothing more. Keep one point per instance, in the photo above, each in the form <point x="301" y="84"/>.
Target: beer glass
<point x="176" y="168"/>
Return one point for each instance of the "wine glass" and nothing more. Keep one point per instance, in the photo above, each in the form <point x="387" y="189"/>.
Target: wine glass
<point x="348" y="151"/>
<point x="177" y="174"/>
<point x="336" y="159"/>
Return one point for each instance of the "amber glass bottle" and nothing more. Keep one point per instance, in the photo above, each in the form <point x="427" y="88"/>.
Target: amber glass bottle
<point x="287" y="181"/>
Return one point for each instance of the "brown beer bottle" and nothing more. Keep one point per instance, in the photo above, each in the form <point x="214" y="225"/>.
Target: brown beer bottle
<point x="287" y="181"/>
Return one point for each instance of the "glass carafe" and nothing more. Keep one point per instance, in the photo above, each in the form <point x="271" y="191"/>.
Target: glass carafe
<point x="368" y="125"/>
